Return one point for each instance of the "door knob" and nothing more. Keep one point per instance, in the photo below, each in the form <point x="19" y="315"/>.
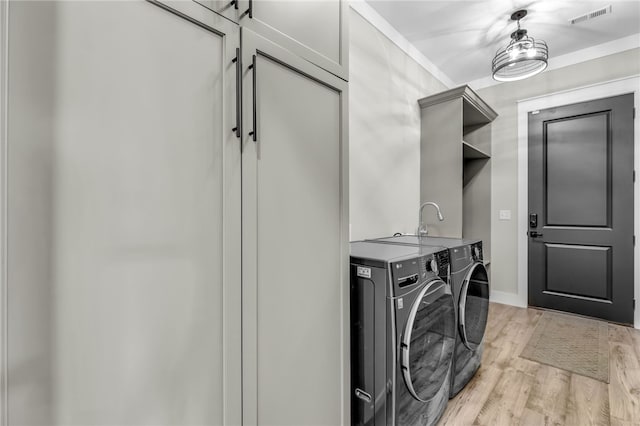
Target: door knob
<point x="535" y="234"/>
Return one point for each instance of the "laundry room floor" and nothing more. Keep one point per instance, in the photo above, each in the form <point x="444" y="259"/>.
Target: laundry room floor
<point x="510" y="390"/>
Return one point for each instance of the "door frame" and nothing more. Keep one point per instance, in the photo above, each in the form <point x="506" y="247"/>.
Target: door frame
<point x="4" y="86"/>
<point x="581" y="94"/>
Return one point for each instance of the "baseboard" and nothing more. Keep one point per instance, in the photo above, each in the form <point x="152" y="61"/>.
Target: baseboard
<point x="507" y="298"/>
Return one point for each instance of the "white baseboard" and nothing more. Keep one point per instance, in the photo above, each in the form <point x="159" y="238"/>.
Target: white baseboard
<point x="506" y="298"/>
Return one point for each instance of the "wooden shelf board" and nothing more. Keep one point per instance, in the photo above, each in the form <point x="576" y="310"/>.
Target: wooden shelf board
<point x="470" y="152"/>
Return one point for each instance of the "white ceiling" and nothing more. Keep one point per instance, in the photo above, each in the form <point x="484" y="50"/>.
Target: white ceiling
<point x="461" y="37"/>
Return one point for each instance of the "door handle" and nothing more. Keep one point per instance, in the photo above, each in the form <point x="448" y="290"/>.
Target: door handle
<point x="535" y="234"/>
<point x="237" y="60"/>
<point x="363" y="395"/>
<point x="254" y="132"/>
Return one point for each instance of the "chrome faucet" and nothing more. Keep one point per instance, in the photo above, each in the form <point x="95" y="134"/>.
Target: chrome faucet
<point x="422" y="227"/>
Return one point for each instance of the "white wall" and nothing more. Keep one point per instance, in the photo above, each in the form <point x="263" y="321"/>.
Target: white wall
<point x="384" y="132"/>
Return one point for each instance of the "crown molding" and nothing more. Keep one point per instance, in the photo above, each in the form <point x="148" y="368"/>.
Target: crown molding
<point x="382" y="25"/>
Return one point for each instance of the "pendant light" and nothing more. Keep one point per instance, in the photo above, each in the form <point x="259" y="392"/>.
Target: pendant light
<point x="523" y="57"/>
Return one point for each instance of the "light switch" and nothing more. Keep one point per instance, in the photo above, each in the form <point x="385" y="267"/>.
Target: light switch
<point x="505" y="215"/>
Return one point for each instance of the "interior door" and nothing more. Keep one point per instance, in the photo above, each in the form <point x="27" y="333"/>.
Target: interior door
<point x="295" y="240"/>
<point x="123" y="215"/>
<point x="581" y="208"/>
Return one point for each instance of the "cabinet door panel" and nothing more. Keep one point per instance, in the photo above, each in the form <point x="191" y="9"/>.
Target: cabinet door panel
<point x="226" y="8"/>
<point x="315" y="30"/>
<point x="295" y="249"/>
<point x="123" y="206"/>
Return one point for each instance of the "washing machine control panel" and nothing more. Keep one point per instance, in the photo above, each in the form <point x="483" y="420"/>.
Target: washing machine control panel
<point x="415" y="271"/>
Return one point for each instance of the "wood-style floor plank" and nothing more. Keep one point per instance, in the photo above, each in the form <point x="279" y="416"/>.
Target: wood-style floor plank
<point x="550" y="395"/>
<point x="509" y="390"/>
<point x="588" y="402"/>
<point x="465" y="407"/>
<point x="624" y="381"/>
<point x="506" y="402"/>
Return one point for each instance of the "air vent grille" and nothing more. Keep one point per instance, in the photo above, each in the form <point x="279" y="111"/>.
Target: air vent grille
<point x="591" y="15"/>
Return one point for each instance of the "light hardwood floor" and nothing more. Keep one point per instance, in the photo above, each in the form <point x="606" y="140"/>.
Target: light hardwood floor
<point x="509" y="390"/>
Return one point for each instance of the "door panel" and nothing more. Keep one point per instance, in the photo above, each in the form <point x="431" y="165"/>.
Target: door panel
<point x="295" y="253"/>
<point x="579" y="270"/>
<point x="581" y="189"/>
<point x="578" y="164"/>
<point x="123" y="205"/>
<point x="315" y="30"/>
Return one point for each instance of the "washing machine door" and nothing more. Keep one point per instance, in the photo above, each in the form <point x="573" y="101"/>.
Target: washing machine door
<point x="474" y="306"/>
<point x="428" y="341"/>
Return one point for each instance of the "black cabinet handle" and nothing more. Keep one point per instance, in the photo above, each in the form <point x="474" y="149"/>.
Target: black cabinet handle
<point x="534" y="234"/>
<point x="237" y="60"/>
<point x="254" y="132"/>
<point x="249" y="11"/>
<point x="235" y="4"/>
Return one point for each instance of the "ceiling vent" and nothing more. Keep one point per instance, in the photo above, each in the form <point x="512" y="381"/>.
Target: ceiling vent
<point x="591" y="15"/>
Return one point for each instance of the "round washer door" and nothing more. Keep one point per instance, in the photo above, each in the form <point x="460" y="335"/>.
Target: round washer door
<point x="474" y="306"/>
<point x="428" y="341"/>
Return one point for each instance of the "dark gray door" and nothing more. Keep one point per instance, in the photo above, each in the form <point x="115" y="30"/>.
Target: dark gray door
<point x="581" y="208"/>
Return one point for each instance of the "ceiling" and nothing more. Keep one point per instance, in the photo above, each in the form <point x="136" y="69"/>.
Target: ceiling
<point x="461" y="37"/>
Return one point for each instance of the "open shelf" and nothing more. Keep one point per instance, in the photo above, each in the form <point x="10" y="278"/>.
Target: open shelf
<point x="470" y="152"/>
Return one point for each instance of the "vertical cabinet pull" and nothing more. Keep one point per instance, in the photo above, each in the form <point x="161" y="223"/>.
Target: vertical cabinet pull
<point x="254" y="132"/>
<point x="237" y="60"/>
<point x="235" y="4"/>
<point x="248" y="11"/>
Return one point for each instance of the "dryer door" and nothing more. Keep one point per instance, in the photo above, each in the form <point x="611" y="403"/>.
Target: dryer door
<point x="428" y="341"/>
<point x="474" y="306"/>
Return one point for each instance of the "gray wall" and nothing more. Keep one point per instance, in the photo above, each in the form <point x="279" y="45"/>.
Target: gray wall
<point x="503" y="98"/>
<point x="384" y="132"/>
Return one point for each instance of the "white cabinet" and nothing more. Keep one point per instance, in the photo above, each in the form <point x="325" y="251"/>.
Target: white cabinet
<point x="315" y="30"/>
<point x="295" y="239"/>
<point x="178" y="246"/>
<point x="123" y="216"/>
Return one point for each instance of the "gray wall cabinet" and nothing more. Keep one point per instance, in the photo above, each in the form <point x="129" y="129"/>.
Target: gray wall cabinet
<point x="316" y="30"/>
<point x="124" y="216"/>
<point x="295" y="233"/>
<point x="455" y="163"/>
<point x="178" y="215"/>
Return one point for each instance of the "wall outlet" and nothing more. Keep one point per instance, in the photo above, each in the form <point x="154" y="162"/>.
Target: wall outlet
<point x="505" y="215"/>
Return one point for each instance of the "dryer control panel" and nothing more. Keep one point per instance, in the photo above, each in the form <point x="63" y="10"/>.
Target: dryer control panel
<point x="476" y="252"/>
<point x="443" y="260"/>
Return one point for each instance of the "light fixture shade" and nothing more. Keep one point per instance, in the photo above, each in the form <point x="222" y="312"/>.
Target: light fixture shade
<point x="523" y="57"/>
<point x="520" y="59"/>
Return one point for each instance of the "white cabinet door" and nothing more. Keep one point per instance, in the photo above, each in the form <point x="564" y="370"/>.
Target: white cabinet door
<point x="295" y="240"/>
<point x="230" y="9"/>
<point x="316" y="30"/>
<point x="123" y="215"/>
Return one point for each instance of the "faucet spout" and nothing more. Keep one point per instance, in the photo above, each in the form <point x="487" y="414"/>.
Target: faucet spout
<point x="422" y="227"/>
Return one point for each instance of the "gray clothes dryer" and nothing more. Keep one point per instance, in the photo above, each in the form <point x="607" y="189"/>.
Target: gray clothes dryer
<point x="470" y="285"/>
<point x="402" y="334"/>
